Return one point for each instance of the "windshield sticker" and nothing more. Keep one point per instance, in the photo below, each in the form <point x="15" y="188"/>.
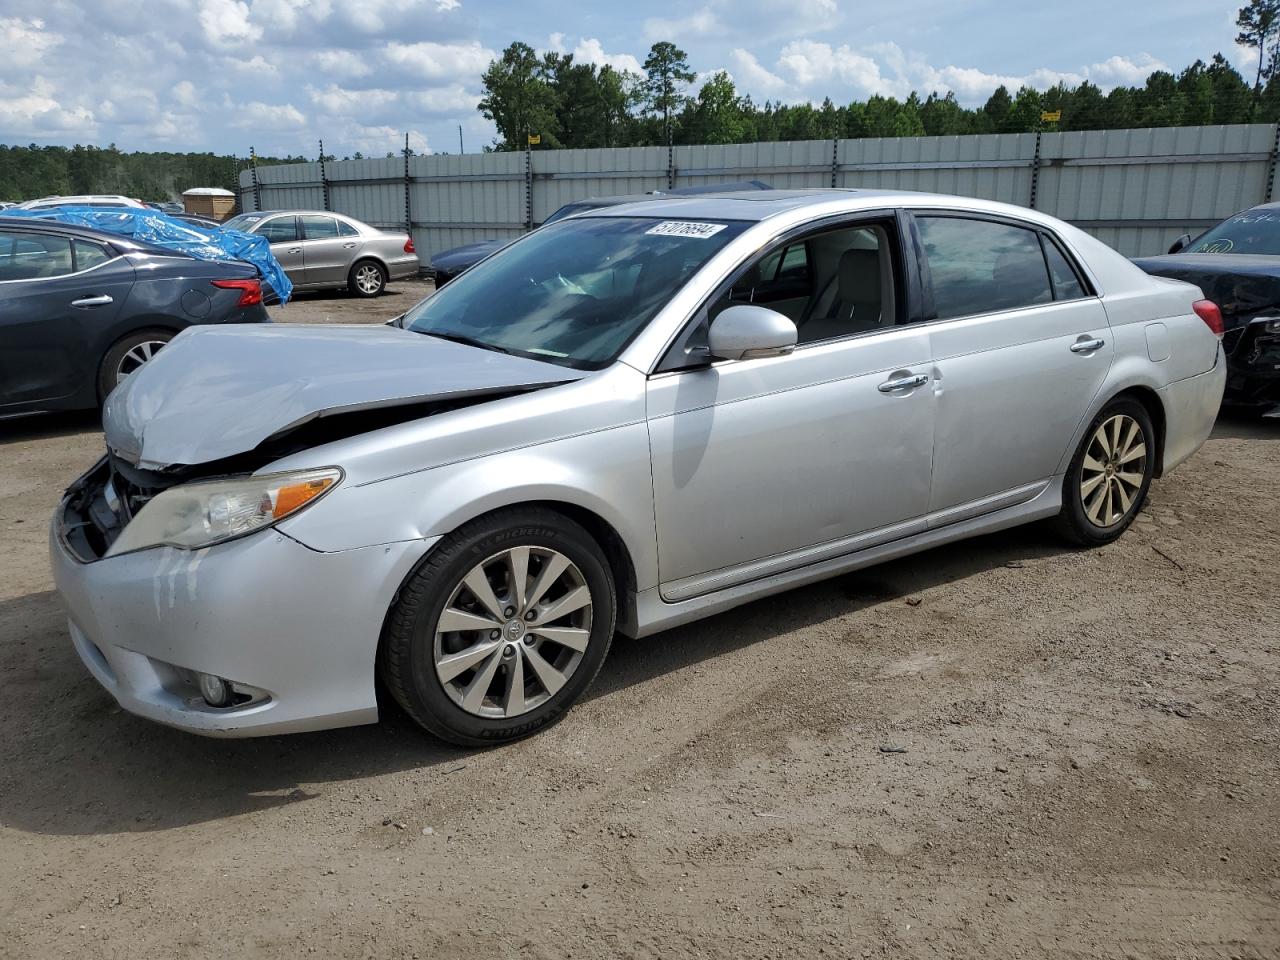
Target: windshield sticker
<point x="685" y="228"/>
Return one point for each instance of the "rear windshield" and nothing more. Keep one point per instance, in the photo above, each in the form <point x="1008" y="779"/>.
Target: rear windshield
<point x="1254" y="231"/>
<point x="574" y="292"/>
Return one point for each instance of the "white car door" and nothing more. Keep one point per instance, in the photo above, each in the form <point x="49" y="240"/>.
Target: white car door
<point x="769" y="464"/>
<point x="1021" y="347"/>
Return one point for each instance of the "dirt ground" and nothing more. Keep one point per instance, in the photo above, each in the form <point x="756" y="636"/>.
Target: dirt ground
<point x="998" y="749"/>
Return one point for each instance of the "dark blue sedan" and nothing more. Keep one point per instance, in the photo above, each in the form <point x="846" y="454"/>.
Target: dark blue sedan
<point x="80" y="310"/>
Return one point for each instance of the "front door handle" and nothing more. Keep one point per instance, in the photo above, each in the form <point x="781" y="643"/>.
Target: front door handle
<point x="101" y="300"/>
<point x="904" y="383"/>
<point x="1088" y="346"/>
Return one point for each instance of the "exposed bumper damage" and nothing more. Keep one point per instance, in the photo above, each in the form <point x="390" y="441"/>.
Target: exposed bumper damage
<point x="1247" y="289"/>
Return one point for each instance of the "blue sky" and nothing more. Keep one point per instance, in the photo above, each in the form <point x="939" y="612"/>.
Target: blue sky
<point x="221" y="75"/>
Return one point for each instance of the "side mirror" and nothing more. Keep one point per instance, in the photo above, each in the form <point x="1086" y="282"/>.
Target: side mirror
<point x="748" y="332"/>
<point x="1181" y="243"/>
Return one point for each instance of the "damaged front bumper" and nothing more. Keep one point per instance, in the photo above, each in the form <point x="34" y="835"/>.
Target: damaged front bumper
<point x="294" y="630"/>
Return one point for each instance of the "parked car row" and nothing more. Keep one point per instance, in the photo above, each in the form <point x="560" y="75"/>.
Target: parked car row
<point x="628" y="419"/>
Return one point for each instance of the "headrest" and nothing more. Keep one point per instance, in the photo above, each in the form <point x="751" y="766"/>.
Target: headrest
<point x="859" y="275"/>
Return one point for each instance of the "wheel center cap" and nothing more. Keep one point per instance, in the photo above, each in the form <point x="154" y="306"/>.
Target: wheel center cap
<point x="514" y="629"/>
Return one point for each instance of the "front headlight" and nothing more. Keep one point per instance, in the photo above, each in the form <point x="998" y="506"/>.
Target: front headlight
<point x="198" y="515"/>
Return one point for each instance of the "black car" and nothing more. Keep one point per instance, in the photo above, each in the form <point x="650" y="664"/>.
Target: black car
<point x="449" y="263"/>
<point x="1237" y="265"/>
<point x="81" y="309"/>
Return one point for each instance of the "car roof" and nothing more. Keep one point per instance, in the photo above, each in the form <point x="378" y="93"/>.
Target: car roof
<point x="298" y="213"/>
<point x="42" y="225"/>
<point x="757" y="205"/>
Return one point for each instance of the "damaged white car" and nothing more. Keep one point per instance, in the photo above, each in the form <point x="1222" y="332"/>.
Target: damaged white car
<point x="629" y="419"/>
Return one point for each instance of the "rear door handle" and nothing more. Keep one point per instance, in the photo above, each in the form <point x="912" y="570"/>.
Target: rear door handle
<point x="101" y="300"/>
<point x="294" y="250"/>
<point x="904" y="383"/>
<point x="348" y="246"/>
<point x="1088" y="346"/>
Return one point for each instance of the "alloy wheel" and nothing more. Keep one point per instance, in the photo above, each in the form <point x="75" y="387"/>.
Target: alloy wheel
<point x="513" y="632"/>
<point x="135" y="358"/>
<point x="1113" y="470"/>
<point x="369" y="279"/>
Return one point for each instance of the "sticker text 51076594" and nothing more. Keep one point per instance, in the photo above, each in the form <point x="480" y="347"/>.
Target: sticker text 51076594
<point x="685" y="228"/>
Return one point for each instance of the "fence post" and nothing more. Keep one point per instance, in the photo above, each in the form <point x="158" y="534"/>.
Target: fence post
<point x="408" y="218"/>
<point x="1035" y="172"/>
<point x="1271" y="165"/>
<point x="257" y="187"/>
<point x="835" y="160"/>
<point x="671" y="161"/>
<point x="528" y="185"/>
<point x="324" y="179"/>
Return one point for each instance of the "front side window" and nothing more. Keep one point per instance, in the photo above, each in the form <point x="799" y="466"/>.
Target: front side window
<point x="979" y="266"/>
<point x="318" y="228"/>
<point x="831" y="284"/>
<point x="34" y="256"/>
<point x="574" y="292"/>
<point x="280" y="230"/>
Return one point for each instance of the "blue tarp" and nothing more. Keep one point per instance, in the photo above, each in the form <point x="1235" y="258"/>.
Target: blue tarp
<point x="148" y="225"/>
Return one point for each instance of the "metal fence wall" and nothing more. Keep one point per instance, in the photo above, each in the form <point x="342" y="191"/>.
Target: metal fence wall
<point x="1135" y="189"/>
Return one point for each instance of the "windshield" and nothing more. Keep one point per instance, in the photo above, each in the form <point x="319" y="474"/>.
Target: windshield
<point x="1254" y="231"/>
<point x="574" y="292"/>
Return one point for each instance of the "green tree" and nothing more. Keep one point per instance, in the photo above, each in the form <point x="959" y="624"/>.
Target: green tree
<point x="1258" y="20"/>
<point x="666" y="71"/>
<point x="518" y="98"/>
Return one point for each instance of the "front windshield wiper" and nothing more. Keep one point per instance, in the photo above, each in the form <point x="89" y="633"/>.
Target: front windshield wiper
<point x="467" y="341"/>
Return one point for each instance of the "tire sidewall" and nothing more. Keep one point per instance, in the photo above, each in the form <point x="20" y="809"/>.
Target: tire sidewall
<point x="115" y="353"/>
<point x="355" y="287"/>
<point x="1079" y="523"/>
<point x="459" y="725"/>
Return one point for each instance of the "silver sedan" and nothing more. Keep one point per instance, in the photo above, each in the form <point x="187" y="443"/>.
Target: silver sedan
<point x="627" y="420"/>
<point x="320" y="250"/>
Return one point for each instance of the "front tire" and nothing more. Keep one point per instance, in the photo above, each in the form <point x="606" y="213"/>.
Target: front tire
<point x="501" y="629"/>
<point x="367" y="279"/>
<point x="1109" y="476"/>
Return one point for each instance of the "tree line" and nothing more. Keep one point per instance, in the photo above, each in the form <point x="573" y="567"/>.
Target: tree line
<point x="564" y="103"/>
<point x="41" y="171"/>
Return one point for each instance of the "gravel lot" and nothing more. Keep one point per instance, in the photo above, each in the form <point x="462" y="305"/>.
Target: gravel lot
<point x="998" y="749"/>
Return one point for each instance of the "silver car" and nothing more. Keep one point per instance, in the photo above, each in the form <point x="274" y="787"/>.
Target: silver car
<point x="627" y="420"/>
<point x="330" y="251"/>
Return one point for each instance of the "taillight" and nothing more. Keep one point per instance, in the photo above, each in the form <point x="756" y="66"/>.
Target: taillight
<point x="1208" y="311"/>
<point x="408" y="246"/>
<point x="250" y="290"/>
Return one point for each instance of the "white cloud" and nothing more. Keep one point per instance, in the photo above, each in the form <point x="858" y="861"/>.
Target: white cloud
<point x="184" y="92"/>
<point x="754" y="76"/>
<point x="445" y="6"/>
<point x="335" y="100"/>
<point x="1125" y="71"/>
<point x="268" y="117"/>
<point x="36" y="110"/>
<point x="590" y="50"/>
<point x="226" y="22"/>
<point x="677" y="30"/>
<point x="341" y="63"/>
<point x="440" y="60"/>
<point x="25" y="42"/>
<point x="811" y="64"/>
<point x="454" y="98"/>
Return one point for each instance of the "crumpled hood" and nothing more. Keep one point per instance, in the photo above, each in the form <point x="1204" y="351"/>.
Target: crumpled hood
<point x="214" y="392"/>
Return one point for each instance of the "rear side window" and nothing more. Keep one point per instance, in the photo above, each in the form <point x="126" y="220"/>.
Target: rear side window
<point x="279" y="230"/>
<point x="347" y="230"/>
<point x="982" y="267"/>
<point x="34" y="256"/>
<point x="1066" y="282"/>
<point x="90" y="254"/>
<point x="319" y="228"/>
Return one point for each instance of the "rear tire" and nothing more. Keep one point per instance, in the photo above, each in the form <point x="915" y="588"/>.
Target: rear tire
<point x="1109" y="476"/>
<point x="464" y="652"/>
<point x="126" y="355"/>
<point x="368" y="278"/>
